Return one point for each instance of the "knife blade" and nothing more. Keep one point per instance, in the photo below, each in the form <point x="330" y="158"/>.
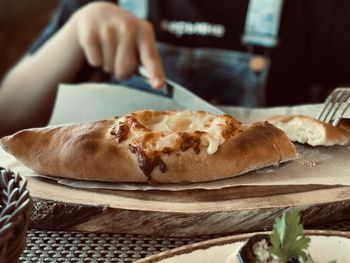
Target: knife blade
<point x="183" y="96"/>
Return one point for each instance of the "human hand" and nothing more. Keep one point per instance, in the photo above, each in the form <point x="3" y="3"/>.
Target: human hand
<point x="117" y="41"/>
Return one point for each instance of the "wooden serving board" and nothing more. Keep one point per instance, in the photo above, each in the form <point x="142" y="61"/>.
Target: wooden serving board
<point x="198" y="212"/>
<point x="183" y="213"/>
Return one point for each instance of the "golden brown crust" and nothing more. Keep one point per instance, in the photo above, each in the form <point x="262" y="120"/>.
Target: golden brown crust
<point x="93" y="151"/>
<point x="327" y="134"/>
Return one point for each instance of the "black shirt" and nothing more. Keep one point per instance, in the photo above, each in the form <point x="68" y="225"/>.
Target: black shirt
<point x="312" y="57"/>
<point x="199" y="23"/>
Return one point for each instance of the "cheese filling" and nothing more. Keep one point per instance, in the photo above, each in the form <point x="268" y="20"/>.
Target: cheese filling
<point x="168" y="130"/>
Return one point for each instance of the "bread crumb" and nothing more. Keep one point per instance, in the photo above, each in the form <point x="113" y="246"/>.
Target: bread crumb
<point x="311" y="164"/>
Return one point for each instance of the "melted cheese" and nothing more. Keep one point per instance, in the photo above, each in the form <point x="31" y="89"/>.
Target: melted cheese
<point x="166" y="128"/>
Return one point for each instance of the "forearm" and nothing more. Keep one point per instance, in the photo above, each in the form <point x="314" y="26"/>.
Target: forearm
<point x="28" y="91"/>
<point x="107" y="36"/>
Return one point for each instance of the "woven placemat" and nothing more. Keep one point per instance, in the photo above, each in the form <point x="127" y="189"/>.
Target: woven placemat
<point x="62" y="246"/>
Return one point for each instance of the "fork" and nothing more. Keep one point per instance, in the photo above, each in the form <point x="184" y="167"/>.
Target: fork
<point x="335" y="106"/>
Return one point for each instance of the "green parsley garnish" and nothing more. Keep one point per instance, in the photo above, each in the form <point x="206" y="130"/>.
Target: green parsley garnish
<point x="288" y="239"/>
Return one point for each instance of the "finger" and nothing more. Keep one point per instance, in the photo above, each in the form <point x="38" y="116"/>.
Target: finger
<point x="90" y="44"/>
<point x="108" y="42"/>
<point x="149" y="56"/>
<point x="126" y="59"/>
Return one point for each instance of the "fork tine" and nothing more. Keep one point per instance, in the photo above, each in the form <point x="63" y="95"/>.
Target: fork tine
<point x="328" y="105"/>
<point x="344" y="95"/>
<point x="339" y="117"/>
<point x="319" y="116"/>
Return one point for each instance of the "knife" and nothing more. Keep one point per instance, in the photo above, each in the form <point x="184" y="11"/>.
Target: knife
<point x="182" y="96"/>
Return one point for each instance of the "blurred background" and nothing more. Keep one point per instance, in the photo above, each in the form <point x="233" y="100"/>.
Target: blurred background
<point x="311" y="61"/>
<point x="26" y="17"/>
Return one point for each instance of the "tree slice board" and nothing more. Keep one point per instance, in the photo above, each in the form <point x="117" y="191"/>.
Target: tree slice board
<point x="182" y="213"/>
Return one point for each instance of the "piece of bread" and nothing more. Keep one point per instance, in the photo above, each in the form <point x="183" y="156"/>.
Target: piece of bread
<point x="151" y="146"/>
<point x="307" y="130"/>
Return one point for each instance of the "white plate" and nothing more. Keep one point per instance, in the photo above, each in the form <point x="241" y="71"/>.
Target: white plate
<point x="325" y="246"/>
